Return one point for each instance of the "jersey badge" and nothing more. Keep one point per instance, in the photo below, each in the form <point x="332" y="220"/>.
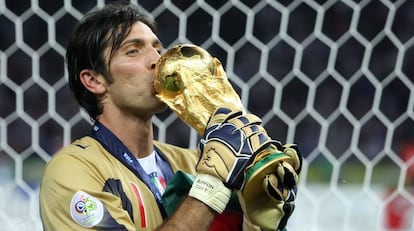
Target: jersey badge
<point x="86" y="210"/>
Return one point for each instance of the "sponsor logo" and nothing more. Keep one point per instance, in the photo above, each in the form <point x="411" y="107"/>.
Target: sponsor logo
<point x="86" y="210"/>
<point x="82" y="146"/>
<point x="127" y="157"/>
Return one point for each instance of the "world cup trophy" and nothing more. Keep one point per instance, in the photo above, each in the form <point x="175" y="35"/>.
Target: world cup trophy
<point x="193" y="84"/>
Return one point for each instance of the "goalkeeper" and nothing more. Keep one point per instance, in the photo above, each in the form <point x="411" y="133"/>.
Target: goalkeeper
<point x="115" y="177"/>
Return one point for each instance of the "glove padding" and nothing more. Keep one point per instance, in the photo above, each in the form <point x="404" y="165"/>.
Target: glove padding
<point x="230" y="143"/>
<point x="267" y="200"/>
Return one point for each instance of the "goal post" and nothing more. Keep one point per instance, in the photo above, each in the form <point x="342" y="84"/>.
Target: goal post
<point x="335" y="77"/>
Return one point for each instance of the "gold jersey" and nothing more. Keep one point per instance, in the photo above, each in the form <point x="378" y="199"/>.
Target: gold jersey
<point x="84" y="187"/>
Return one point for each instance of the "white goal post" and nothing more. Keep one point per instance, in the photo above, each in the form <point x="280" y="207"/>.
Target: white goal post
<point x="334" y="76"/>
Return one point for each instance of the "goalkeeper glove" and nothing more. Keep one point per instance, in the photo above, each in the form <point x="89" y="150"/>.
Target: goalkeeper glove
<point x="267" y="200"/>
<point x="230" y="142"/>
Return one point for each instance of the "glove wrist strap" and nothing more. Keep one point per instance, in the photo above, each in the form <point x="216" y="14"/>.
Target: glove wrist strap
<point x="211" y="191"/>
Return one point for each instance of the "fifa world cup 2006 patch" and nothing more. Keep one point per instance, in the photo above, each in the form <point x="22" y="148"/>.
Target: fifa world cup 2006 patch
<point x="86" y="210"/>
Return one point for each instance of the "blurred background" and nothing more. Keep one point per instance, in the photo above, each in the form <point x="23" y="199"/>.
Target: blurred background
<point x="336" y="77"/>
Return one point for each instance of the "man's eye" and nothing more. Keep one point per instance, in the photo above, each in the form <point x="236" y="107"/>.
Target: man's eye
<point x="132" y="52"/>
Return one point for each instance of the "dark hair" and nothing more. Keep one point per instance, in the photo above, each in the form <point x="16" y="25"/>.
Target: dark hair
<point x="98" y="30"/>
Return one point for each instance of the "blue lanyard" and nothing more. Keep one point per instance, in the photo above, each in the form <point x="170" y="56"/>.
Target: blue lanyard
<point x="116" y="148"/>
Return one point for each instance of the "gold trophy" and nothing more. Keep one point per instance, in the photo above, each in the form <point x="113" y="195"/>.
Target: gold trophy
<point x="193" y="84"/>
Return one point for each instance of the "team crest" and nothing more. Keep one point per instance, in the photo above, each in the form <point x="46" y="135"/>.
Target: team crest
<point x="86" y="210"/>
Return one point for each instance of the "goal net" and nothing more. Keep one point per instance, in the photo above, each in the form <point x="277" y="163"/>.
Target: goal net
<point x="336" y="77"/>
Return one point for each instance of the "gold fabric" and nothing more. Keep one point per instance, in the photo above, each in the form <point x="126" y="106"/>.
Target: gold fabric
<point x="87" y="166"/>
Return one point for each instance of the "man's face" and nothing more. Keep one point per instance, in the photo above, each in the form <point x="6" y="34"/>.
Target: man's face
<point x="132" y="69"/>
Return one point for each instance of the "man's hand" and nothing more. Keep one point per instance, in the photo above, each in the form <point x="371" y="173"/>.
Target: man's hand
<point x="268" y="197"/>
<point x="230" y="143"/>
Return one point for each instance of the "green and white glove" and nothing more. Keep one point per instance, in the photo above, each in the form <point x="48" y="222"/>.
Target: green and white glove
<point x="230" y="143"/>
<point x="267" y="200"/>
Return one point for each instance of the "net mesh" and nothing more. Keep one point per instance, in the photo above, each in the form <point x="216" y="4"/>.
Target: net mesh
<point x="333" y="76"/>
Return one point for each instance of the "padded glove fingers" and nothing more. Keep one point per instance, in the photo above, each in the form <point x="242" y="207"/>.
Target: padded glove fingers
<point x="230" y="143"/>
<point x="268" y="196"/>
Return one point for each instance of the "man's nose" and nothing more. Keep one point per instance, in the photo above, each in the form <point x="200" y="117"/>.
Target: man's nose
<point x="155" y="56"/>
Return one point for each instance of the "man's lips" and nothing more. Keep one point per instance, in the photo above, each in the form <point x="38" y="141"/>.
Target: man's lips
<point x="154" y="90"/>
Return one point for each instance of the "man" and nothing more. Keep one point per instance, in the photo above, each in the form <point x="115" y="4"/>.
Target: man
<point x="114" y="178"/>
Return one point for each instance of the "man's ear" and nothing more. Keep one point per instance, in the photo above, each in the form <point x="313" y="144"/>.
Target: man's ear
<point x="93" y="81"/>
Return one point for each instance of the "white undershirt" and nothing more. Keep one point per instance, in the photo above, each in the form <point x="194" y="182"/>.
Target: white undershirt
<point x="149" y="164"/>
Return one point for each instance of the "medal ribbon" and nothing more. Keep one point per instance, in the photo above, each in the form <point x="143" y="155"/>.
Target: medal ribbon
<point x="116" y="148"/>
